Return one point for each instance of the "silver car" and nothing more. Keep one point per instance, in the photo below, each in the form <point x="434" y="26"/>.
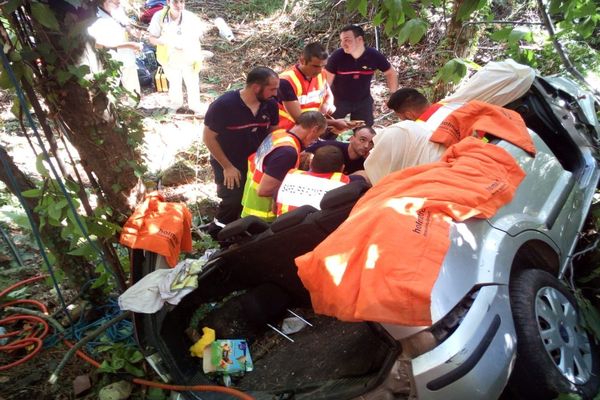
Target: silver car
<point x="504" y="323"/>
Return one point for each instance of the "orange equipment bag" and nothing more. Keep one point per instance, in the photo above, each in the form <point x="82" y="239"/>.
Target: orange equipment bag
<point x="160" y="80"/>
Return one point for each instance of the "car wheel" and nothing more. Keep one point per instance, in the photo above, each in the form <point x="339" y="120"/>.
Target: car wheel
<point x="554" y="353"/>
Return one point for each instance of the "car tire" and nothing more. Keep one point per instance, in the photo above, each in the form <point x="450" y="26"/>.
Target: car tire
<point x="554" y="353"/>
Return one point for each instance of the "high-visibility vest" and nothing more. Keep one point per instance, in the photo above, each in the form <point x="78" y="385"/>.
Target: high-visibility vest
<point x="311" y="94"/>
<point x="253" y="204"/>
<point x="305" y="187"/>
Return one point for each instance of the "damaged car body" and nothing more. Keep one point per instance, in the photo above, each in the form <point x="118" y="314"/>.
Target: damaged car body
<point x="502" y="318"/>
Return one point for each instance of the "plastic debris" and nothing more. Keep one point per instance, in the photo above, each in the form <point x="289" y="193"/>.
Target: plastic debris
<point x="224" y="30"/>
<point x="197" y="350"/>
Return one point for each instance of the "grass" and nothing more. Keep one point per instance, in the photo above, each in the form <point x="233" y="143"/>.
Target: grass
<point x="263" y="8"/>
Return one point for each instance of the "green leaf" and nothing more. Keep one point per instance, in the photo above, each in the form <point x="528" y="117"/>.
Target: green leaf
<point x="40" y="167"/>
<point x="135" y="371"/>
<point x="501" y="34"/>
<point x="408" y="10"/>
<point x="362" y="7"/>
<point x="135" y="357"/>
<point x="379" y="18"/>
<point x="412" y="31"/>
<point x="520" y="34"/>
<point x="156" y="394"/>
<point x="453" y="71"/>
<point x="586" y="29"/>
<point x="32" y="193"/>
<point x="101" y="281"/>
<point x="11" y="6"/>
<point x="44" y="15"/>
<point x="84" y="250"/>
<point x="62" y="76"/>
<point x="106" y="367"/>
<point x="468" y="7"/>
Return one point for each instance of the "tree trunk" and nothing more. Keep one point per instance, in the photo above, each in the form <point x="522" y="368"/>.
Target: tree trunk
<point x="103" y="139"/>
<point x="460" y="42"/>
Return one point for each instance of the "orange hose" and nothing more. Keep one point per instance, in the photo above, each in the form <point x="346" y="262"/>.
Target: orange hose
<point x="33" y="338"/>
<point x="160" y="385"/>
<point x="21" y="343"/>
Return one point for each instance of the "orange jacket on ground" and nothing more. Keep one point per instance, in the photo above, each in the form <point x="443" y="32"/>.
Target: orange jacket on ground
<point x="161" y="227"/>
<point x="306" y="187"/>
<point x="311" y="94"/>
<point x="381" y="263"/>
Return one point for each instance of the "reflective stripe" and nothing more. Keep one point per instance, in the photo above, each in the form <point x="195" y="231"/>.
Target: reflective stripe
<point x="253" y="204"/>
<point x="306" y="188"/>
<point x="311" y="95"/>
<point x="440" y="111"/>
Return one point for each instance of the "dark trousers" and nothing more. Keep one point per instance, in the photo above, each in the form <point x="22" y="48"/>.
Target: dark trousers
<point x="358" y="110"/>
<point x="230" y="206"/>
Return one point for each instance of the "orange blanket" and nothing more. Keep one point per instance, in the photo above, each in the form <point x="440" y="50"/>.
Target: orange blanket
<point x="476" y="119"/>
<point x="158" y="226"/>
<point x="382" y="262"/>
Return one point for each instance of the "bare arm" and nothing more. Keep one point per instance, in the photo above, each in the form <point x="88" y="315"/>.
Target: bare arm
<point x="268" y="186"/>
<point x="293" y="108"/>
<point x="232" y="176"/>
<point x="330" y="77"/>
<point x="392" y="79"/>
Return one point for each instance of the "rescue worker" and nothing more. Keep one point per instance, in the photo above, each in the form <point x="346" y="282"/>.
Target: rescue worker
<point x="355" y="151"/>
<point x="176" y="34"/>
<point x="235" y="125"/>
<point x="308" y="187"/>
<point x="349" y="72"/>
<point x="304" y="88"/>
<point x="277" y="154"/>
<point x="110" y="31"/>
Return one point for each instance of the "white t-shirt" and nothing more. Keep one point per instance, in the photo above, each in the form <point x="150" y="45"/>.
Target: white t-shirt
<point x="401" y="145"/>
<point x="110" y="33"/>
<point x="182" y="36"/>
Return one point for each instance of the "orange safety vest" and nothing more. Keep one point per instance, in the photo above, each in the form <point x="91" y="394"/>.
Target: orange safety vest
<point x="311" y="94"/>
<point x="253" y="204"/>
<point x="306" y="187"/>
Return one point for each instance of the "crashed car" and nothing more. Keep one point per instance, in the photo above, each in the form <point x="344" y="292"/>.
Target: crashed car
<point x="506" y="324"/>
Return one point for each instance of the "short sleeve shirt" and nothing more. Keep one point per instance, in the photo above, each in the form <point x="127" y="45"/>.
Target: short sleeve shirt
<point x="353" y="76"/>
<point x="278" y="163"/>
<point x="350" y="166"/>
<point x="239" y="132"/>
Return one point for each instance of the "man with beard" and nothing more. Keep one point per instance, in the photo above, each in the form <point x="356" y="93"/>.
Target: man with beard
<point x="235" y="125"/>
<point x="355" y="151"/>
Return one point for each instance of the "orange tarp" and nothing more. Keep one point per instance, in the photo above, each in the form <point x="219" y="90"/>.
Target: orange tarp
<point x="161" y="227"/>
<point x="477" y="118"/>
<point x="381" y="263"/>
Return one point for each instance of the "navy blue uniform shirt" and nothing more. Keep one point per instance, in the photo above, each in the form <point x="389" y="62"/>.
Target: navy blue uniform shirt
<point x="353" y="76"/>
<point x="239" y="131"/>
<point x="350" y="166"/>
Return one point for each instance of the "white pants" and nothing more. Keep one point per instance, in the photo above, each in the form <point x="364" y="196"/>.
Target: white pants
<point x="129" y="78"/>
<point x="176" y="74"/>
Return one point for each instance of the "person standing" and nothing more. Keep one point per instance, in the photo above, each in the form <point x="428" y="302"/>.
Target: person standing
<point x="304" y="88"/>
<point x="234" y="126"/>
<point x="349" y="72"/>
<point x="176" y="34"/>
<point x="110" y="32"/>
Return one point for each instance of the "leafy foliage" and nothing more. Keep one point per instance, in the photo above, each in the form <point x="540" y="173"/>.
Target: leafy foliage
<point x="408" y="21"/>
<point x="122" y="358"/>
